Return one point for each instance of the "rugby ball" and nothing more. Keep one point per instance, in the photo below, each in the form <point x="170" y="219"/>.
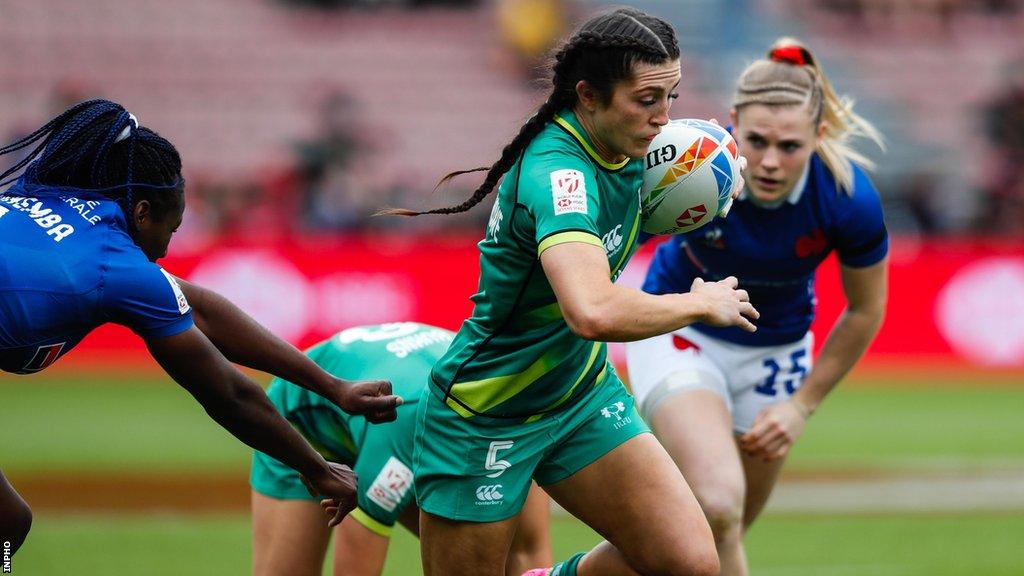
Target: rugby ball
<point x="689" y="173"/>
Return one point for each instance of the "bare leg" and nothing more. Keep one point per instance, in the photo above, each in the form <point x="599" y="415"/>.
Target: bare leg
<point x="761" y="477"/>
<point x="288" y="536"/>
<point x="358" y="551"/>
<point x="695" y="428"/>
<point x="455" y="547"/>
<point x="15" y="515"/>
<point x="636" y="498"/>
<point x="531" y="546"/>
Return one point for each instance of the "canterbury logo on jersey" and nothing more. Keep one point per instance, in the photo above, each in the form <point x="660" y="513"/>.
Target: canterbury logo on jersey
<point x="489" y="494"/>
<point x="44" y="356"/>
<point x="612" y="240"/>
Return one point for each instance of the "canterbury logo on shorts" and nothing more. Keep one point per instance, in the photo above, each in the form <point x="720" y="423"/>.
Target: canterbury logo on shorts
<point x="489" y="494"/>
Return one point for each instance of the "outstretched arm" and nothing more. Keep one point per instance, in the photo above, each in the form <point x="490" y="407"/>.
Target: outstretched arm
<point x="242" y="408"/>
<point x="244" y="341"/>
<point x="776" y="428"/>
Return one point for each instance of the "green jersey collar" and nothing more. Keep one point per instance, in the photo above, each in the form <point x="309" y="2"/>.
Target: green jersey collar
<point x="567" y="121"/>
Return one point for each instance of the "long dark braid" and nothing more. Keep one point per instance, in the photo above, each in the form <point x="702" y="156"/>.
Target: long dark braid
<point x="602" y="52"/>
<point x="97" y="150"/>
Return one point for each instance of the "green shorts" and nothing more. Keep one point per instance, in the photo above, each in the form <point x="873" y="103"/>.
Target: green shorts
<point x="383" y="463"/>
<point x="469" y="470"/>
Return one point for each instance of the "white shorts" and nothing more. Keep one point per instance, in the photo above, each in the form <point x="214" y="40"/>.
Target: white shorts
<point x="748" y="378"/>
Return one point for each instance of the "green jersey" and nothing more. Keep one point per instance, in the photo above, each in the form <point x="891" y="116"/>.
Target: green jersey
<point x="516" y="358"/>
<point x="402" y="353"/>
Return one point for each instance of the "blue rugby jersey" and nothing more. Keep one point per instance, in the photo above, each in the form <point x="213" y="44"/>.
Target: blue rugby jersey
<point x="68" y="266"/>
<point x="774" y="252"/>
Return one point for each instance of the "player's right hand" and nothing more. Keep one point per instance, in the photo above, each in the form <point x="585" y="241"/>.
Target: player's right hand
<point x="726" y="306"/>
<point x="338" y="485"/>
<point x="372" y="399"/>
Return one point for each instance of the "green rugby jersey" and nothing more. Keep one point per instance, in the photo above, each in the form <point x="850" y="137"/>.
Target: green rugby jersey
<point x="515" y="357"/>
<point x="401" y="352"/>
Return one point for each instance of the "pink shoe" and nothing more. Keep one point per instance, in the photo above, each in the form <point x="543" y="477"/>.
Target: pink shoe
<point x="538" y="572"/>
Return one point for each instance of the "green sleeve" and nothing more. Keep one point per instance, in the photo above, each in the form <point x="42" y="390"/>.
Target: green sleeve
<point x="559" y="190"/>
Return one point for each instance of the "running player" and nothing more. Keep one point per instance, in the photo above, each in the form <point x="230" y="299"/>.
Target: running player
<point x="525" y="390"/>
<point x="289" y="535"/>
<point x="729" y="404"/>
<point x="80" y="231"/>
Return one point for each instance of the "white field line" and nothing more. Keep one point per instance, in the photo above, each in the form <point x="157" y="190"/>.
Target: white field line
<point x="990" y="491"/>
<point x="833" y="570"/>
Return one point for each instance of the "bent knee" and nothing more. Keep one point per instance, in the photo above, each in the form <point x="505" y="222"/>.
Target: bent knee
<point x="697" y="556"/>
<point x="724" y="512"/>
<point x="695" y="563"/>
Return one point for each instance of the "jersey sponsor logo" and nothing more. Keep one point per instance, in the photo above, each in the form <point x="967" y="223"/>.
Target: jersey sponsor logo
<point x="568" y="192"/>
<point x="812" y="244"/>
<point x="44" y="356"/>
<point x="616" y="411"/>
<point x="489" y="494"/>
<point x="4" y="210"/>
<point x="179" y="296"/>
<point x="391" y="485"/>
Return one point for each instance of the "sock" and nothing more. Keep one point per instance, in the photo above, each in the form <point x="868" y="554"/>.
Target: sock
<point x="567" y="568"/>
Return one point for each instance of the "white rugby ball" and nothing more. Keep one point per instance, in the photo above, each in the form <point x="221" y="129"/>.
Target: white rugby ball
<point x="689" y="173"/>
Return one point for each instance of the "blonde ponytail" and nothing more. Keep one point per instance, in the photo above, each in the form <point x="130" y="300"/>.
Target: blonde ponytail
<point x="789" y="76"/>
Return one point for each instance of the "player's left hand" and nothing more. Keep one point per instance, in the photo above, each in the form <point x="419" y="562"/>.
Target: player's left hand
<point x="737" y="186"/>
<point x="372" y="399"/>
<point x="774" y="431"/>
<point x="338" y="484"/>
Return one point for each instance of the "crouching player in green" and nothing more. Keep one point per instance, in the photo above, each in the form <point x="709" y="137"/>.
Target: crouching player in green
<point x="289" y="536"/>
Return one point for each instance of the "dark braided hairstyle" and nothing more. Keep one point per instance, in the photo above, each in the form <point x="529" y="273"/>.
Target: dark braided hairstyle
<point x="97" y="150"/>
<point x="603" y="52"/>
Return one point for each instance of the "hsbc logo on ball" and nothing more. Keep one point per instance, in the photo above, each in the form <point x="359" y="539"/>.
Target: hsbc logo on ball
<point x="692" y="215"/>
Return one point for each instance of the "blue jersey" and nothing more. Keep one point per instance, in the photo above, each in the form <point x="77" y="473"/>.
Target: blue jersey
<point x="69" y="266"/>
<point x="774" y="252"/>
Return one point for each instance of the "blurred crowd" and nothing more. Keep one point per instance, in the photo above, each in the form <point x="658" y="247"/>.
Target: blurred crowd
<point x="1002" y="192"/>
<point x="331" y="180"/>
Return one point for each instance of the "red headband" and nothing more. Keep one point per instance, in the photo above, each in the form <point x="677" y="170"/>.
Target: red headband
<point x="795" y="55"/>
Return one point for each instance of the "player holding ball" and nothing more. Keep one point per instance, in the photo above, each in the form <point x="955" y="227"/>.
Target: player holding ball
<point x="525" y="391"/>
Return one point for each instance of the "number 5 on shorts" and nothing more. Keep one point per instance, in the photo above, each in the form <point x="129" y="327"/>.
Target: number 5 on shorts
<point x="492" y="457"/>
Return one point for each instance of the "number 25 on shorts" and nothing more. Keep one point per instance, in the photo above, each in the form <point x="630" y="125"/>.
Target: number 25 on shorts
<point x="493" y="463"/>
<point x="797" y="373"/>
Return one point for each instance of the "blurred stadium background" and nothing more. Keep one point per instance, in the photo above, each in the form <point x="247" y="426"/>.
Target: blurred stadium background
<point x="297" y="119"/>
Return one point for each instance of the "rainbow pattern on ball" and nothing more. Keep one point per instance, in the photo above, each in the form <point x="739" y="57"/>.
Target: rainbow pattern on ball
<point x="699" y="153"/>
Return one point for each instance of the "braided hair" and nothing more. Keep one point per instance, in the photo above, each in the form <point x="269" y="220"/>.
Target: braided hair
<point x="603" y="52"/>
<point x="97" y="150"/>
